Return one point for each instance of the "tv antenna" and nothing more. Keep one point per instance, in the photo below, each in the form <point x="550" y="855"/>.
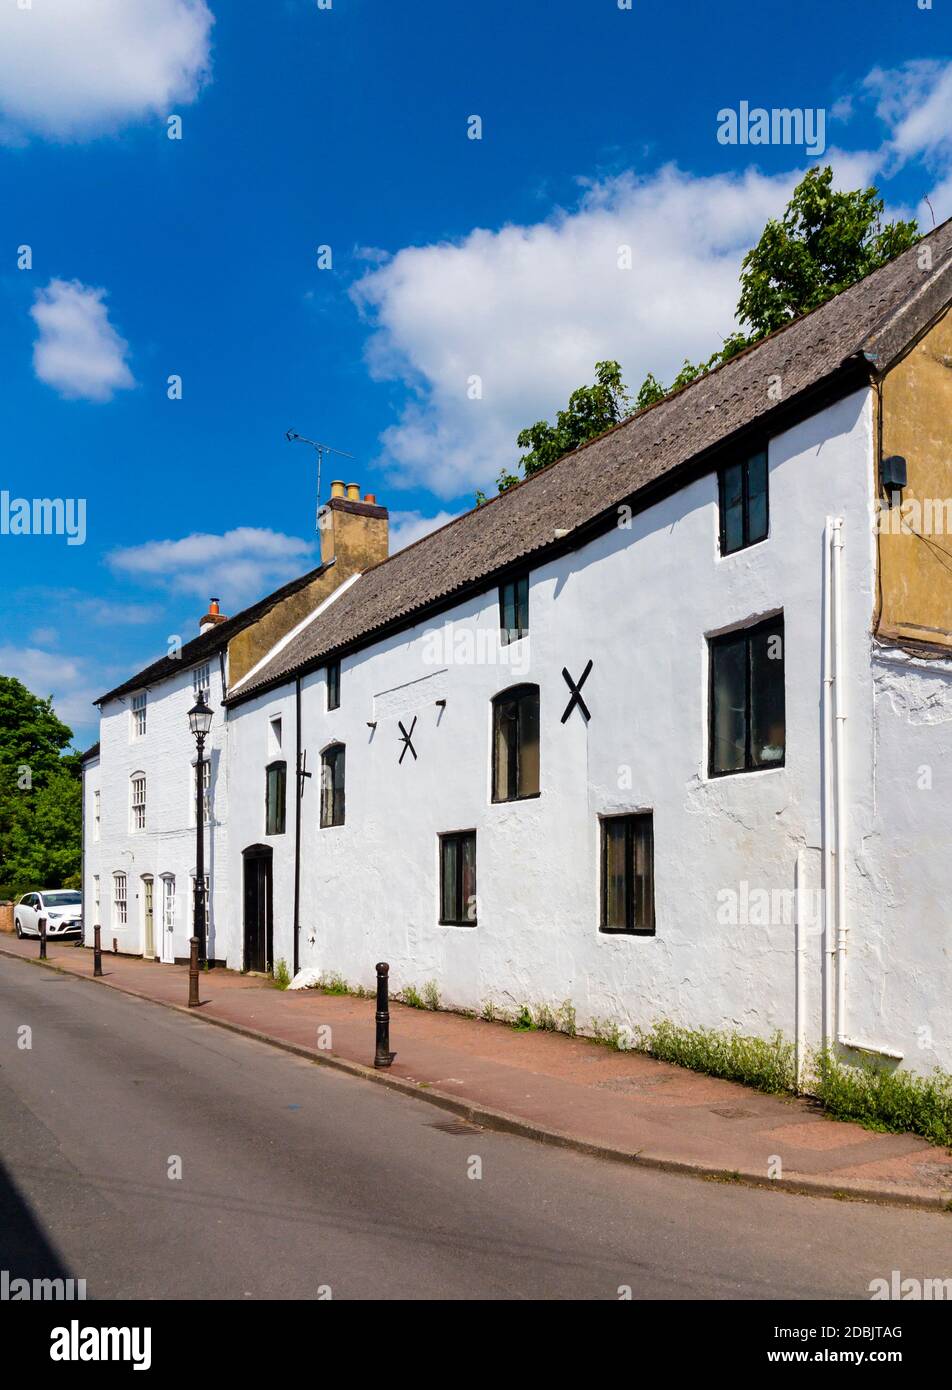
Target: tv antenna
<point x="293" y="437"/>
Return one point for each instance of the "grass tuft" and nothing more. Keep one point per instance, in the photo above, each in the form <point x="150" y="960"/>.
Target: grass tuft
<point x="334" y="984"/>
<point x="282" y="976"/>
<point x="766" y="1064"/>
<point x="896" y="1102"/>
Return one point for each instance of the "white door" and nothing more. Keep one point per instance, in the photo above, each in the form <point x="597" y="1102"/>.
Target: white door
<point x="26" y="914"/>
<point x="167" y="949"/>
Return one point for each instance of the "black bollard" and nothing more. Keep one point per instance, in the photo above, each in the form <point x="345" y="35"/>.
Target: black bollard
<point x="383" y="1056"/>
<point x="97" y="949"/>
<point x="42" y="938"/>
<point x="193" y="973"/>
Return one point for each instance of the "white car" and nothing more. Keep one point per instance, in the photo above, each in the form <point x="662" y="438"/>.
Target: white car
<point x="62" y="908"/>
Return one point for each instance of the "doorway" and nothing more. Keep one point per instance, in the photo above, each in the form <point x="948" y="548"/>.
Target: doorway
<point x="259" y="929"/>
<point x="148" y="917"/>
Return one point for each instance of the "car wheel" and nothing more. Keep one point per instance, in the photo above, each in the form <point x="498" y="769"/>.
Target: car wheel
<point x="18" y="929"/>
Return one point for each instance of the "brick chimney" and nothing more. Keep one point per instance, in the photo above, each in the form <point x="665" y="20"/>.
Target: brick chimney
<point x="212" y="618"/>
<point x="354" y="532"/>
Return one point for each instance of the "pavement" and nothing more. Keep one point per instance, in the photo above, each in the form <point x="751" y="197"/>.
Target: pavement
<point x="564" y="1091"/>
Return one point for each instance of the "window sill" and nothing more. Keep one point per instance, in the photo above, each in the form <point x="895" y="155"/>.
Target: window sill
<point x="510" y="800"/>
<point x="442" y="923"/>
<point x="742" y="549"/>
<point x="625" y="931"/>
<point x="745" y="771"/>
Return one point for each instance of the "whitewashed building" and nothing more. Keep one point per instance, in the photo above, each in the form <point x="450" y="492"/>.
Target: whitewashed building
<point x="663" y="732"/>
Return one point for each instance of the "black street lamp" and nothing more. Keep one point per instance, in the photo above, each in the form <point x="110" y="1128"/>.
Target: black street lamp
<point x="200" y="721"/>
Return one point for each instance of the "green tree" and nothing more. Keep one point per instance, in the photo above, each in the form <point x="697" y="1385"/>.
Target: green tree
<point x="40" y="794"/>
<point x="824" y="243"/>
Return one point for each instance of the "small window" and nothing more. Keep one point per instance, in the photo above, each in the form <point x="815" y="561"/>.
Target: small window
<point x="96" y="897"/>
<point x="742" y="490"/>
<point x="168" y="903"/>
<point x="332" y="786"/>
<point x="628" y="874"/>
<point x="119" y="900"/>
<point x="275" y="796"/>
<point x="458" y="879"/>
<point x="514" y="609"/>
<point x="516" y="743"/>
<point x="97" y="817"/>
<point x="202" y="680"/>
<point x="747" y="722"/>
<point x="274" y="734"/>
<point x="333" y="685"/>
<point x="138" y="801"/>
<point x="138" y="715"/>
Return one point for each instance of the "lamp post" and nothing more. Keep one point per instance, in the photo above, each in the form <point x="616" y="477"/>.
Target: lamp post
<point x="200" y="721"/>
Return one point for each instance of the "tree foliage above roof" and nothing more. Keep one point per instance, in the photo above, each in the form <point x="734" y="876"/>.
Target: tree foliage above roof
<point x="824" y="242"/>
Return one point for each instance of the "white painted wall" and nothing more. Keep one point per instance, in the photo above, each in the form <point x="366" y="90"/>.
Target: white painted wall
<point x="641" y="603"/>
<point x="167" y="846"/>
<point x="900" y="980"/>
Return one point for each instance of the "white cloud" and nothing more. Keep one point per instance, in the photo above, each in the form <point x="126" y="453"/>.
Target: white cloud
<point x="239" y="566"/>
<point x="915" y="102"/>
<point x="78" y="352"/>
<point x="70" y="69"/>
<point x="67" y="678"/>
<point x="530" y="309"/>
<point x="407" y="527"/>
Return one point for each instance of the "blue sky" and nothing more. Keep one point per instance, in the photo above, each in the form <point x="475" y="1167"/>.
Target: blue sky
<point x="452" y="258"/>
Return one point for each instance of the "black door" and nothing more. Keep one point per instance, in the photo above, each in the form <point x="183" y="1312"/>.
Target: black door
<point x="258" y="927"/>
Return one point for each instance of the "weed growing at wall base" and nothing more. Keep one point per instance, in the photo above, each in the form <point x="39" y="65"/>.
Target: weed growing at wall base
<point x="898" y="1102"/>
<point x="766" y="1064"/>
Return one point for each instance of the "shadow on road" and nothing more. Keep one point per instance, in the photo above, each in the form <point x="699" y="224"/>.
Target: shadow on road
<point x="25" y="1252"/>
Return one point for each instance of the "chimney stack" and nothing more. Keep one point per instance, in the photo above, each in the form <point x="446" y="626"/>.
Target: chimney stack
<point x="212" y="618"/>
<point x="354" y="533"/>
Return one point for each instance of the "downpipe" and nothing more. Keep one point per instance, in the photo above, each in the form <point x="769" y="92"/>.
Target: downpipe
<point x="836" y="813"/>
<point x="839" y="773"/>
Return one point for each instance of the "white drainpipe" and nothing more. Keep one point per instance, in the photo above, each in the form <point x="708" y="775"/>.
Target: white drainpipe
<point x="828" y="875"/>
<point x="799" y="1001"/>
<point x="836" y="810"/>
<point x="839" y="776"/>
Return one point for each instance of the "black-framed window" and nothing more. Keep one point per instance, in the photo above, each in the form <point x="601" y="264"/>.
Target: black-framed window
<point x="747" y="715"/>
<point x="514" y="609"/>
<point x="628" y="874"/>
<point x="458" y="879"/>
<point x="275" y="797"/>
<point x="516" y="743"/>
<point x="743" y="503"/>
<point x="332" y="785"/>
<point x="333" y="685"/>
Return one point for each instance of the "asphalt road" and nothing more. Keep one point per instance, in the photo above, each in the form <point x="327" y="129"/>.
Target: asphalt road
<point x="296" y="1179"/>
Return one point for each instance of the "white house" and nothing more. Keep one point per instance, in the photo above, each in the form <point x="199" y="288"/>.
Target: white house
<point x="665" y="731"/>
